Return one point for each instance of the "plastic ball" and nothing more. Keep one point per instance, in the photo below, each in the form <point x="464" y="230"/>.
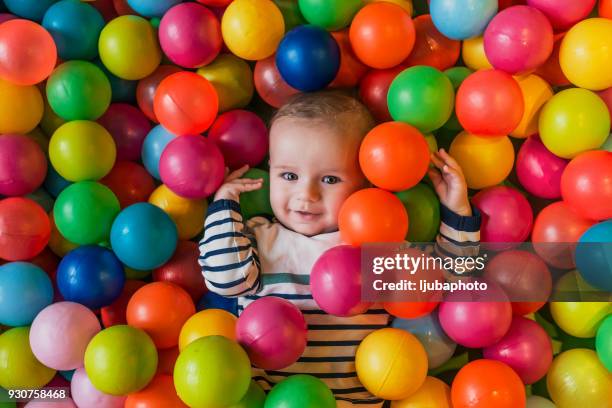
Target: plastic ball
<point x="300" y="391"/>
<point x="331" y="15"/>
<point x="75" y="27"/>
<point x="159" y="393"/>
<point x="487" y="383"/>
<point x="372" y="215"/>
<point x="580" y="319"/>
<point x="391" y="363"/>
<point x="373" y="90"/>
<point x="23" y="167"/>
<point x="382" y="35"/>
<point x="486" y="161"/>
<point x="60" y="333"/>
<point x="130" y="183"/>
<point x="128" y="126"/>
<point x="166" y="360"/>
<point x="122" y="90"/>
<point x="563" y="14"/>
<point x="257" y="202"/>
<point x="592" y="255"/>
<point x="65" y="403"/>
<point x="351" y="70"/>
<point x="212" y="371"/>
<point x="538" y="170"/>
<point x="6" y="17"/>
<point x="536" y="401"/>
<point x="487" y="110"/>
<point x="605" y="8"/>
<point x="84" y="212"/>
<point x="232" y="78"/>
<point x="143" y="236"/>
<point x="85" y="394"/>
<point x="120" y="360"/>
<point x="536" y="92"/>
<point x="19" y="368"/>
<point x="422" y="97"/>
<point x="26" y="291"/>
<point x="433" y="393"/>
<point x="269" y="83"/>
<point x="146" y="88"/>
<point x="456" y="75"/>
<point x="57" y="243"/>
<point x="603" y="343"/>
<point x="30" y="9"/>
<point x="210" y="322"/>
<point x="114" y="314"/>
<point x="183" y="270"/>
<point x="252" y="29"/>
<point x="154" y="144"/>
<point x="190" y="35"/>
<point x="128" y="47"/>
<point x="461" y="21"/>
<point x="335" y="281"/>
<point x="28" y="52"/>
<point x="410" y="309"/>
<point x="254" y="398"/>
<point x="192" y="166"/>
<point x="152" y="8"/>
<point x="188" y="215"/>
<point x="292" y="15"/>
<point x="185" y="103"/>
<point x="21" y="108"/>
<point x="473" y="54"/>
<point x="431" y="47"/>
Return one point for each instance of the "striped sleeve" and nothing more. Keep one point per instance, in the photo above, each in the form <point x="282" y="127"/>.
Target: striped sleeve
<point x="228" y="252"/>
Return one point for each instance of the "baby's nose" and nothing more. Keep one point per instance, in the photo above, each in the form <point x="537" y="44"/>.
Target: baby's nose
<point x="310" y="192"/>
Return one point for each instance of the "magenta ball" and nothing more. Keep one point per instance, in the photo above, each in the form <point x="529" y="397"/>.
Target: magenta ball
<point x="507" y="216"/>
<point x="273" y="332"/>
<point x="192" y="166"/>
<point x="526" y="348"/>
<point x="6" y="17"/>
<point x="242" y="137"/>
<point x="563" y="14"/>
<point x="85" y="394"/>
<point x="190" y="35"/>
<point x="335" y="281"/>
<point x="518" y="39"/>
<point x="538" y="170"/>
<point x="60" y="333"/>
<point x="23" y="165"/>
<point x="129" y="128"/>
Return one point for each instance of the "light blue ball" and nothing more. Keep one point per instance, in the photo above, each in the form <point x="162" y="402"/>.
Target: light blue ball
<point x="54" y="183"/>
<point x="462" y="19"/>
<point x="594" y="255"/>
<point x="25" y="290"/>
<point x="152" y="8"/>
<point x="30" y="9"/>
<point x="143" y="236"/>
<point x="152" y="148"/>
<point x="122" y="90"/>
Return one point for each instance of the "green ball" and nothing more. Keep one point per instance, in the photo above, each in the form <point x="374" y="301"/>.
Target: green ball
<point x="423" y="209"/>
<point x="254" y="398"/>
<point x="421" y="96"/>
<point x="256" y="202"/>
<point x="331" y="15"/>
<point x="84" y="212"/>
<point x="291" y="13"/>
<point x="120" y="360"/>
<point x="212" y="371"/>
<point x="603" y="343"/>
<point x="78" y="90"/>
<point x="300" y="391"/>
<point x="456" y="75"/>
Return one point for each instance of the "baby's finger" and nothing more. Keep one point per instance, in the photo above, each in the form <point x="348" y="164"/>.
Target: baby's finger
<point x="448" y="159"/>
<point x="437" y="161"/>
<point x="249" y="187"/>
<point x="237" y="173"/>
<point x="434" y="176"/>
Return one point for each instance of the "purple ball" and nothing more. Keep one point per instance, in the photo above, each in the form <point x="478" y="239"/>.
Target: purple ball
<point x="539" y="170"/>
<point x="23" y="165"/>
<point x="85" y="394"/>
<point x="129" y="127"/>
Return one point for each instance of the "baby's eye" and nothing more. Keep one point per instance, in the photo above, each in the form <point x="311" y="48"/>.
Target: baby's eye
<point x="330" y="179"/>
<point x="289" y="176"/>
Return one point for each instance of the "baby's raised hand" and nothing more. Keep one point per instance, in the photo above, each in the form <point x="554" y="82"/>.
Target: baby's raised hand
<point x="233" y="185"/>
<point x="449" y="182"/>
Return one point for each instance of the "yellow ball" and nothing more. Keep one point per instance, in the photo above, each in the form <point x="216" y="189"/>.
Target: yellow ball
<point x="586" y="54"/>
<point x="129" y="48"/>
<point x="50" y="121"/>
<point x="187" y="214"/>
<point x="536" y="92"/>
<point x="391" y="363"/>
<point x="486" y="161"/>
<point x="432" y="394"/>
<point x="577" y="379"/>
<point x="252" y="29"/>
<point x="233" y="80"/>
<point x="473" y="54"/>
<point x="209" y="322"/>
<point x="573" y="121"/>
<point x="405" y="4"/>
<point x="580" y="319"/>
<point x="21" y="107"/>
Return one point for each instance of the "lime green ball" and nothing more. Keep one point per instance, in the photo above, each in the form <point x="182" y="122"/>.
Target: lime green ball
<point x="84" y="212"/>
<point x="291" y="13"/>
<point x="603" y="343"/>
<point x="19" y="368"/>
<point x="421" y="96"/>
<point x="300" y="391"/>
<point x="254" y="398"/>
<point x="120" y="360"/>
<point x="78" y="90"/>
<point x="82" y="150"/>
<point x="423" y="209"/>
<point x="456" y="75"/>
<point x="212" y="371"/>
<point x="256" y="202"/>
<point x="331" y="15"/>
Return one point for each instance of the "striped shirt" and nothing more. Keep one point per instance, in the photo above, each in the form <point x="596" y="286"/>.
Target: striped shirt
<point x="261" y="258"/>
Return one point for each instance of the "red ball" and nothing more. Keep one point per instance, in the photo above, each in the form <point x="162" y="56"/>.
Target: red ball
<point x="23" y="165"/>
<point x="351" y="69"/>
<point x="145" y="91"/>
<point x="489" y="103"/>
<point x="130" y="182"/>
<point x="431" y="47"/>
<point x="160" y="392"/>
<point x="183" y="270"/>
<point x="373" y="90"/>
<point x="129" y="127"/>
<point x="409" y="310"/>
<point x="24" y="229"/>
<point x="269" y="83"/>
<point x="114" y="314"/>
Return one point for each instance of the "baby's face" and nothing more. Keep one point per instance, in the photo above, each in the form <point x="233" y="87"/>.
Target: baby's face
<point x="313" y="169"/>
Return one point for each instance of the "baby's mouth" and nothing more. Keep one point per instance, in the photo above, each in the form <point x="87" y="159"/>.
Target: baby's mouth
<point x="306" y="215"/>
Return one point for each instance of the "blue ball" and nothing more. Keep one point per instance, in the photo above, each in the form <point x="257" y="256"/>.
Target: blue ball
<point x="211" y="300"/>
<point x="152" y="148"/>
<point x="30" y="9"/>
<point x="54" y="183"/>
<point x="67" y="374"/>
<point x="308" y="58"/>
<point x="594" y="255"/>
<point x="143" y="236"/>
<point x="122" y="90"/>
<point x="25" y="290"/>
<point x="152" y="8"/>
<point x="464" y="19"/>
<point x="90" y="275"/>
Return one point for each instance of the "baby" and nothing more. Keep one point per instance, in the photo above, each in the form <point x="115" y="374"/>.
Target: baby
<point x="314" y="147"/>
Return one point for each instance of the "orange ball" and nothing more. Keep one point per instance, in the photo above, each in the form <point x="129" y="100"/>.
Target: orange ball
<point x="372" y="215"/>
<point x="605" y="8"/>
<point x="160" y="309"/>
<point x="550" y="70"/>
<point x="432" y="47"/>
<point x="160" y="393"/>
<point x="394" y="156"/>
<point x="382" y="35"/>
<point x="409" y="310"/>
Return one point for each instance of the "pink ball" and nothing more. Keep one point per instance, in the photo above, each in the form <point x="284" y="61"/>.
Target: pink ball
<point x="23" y="165"/>
<point x="66" y="403"/>
<point x="563" y="14"/>
<point x="273" y="332"/>
<point x="518" y="39"/>
<point x="192" y="166"/>
<point x="129" y="128"/>
<point x="538" y="170"/>
<point x="526" y="348"/>
<point x="507" y="216"/>
<point x="242" y="137"/>
<point x="190" y="35"/>
<point x="85" y="395"/>
<point x="335" y="281"/>
<point x="60" y="333"/>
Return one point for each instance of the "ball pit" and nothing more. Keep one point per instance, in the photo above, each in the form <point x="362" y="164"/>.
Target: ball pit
<point x="159" y="393"/>
<point x="373" y="90"/>
<point x="188" y="215"/>
<point x="269" y="83"/>
<point x="473" y="54"/>
<point x="86" y="394"/>
<point x="21" y="107"/>
<point x="464" y="20"/>
<point x="26" y="291"/>
<point x="130" y="183"/>
<point x="114" y="314"/>
<point x="433" y="393"/>
<point x="351" y="70"/>
<point x="210" y="322"/>
<point x="152" y="148"/>
<point x="431" y="47"/>
<point x="536" y="92"/>
<point x="145" y="90"/>
<point x="423" y="209"/>
<point x="538" y="170"/>
<point x="128" y="126"/>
